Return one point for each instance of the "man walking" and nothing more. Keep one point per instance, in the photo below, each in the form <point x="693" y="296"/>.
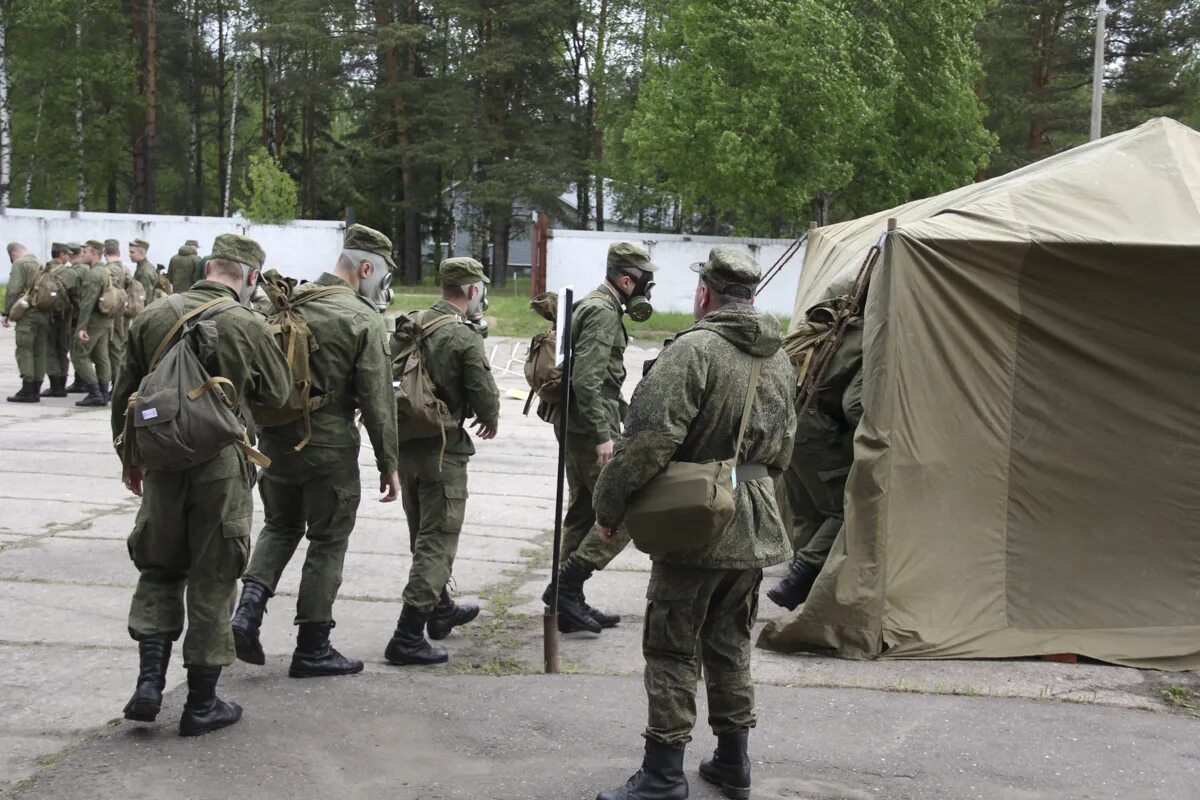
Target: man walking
<point x="702" y="603"/>
<point x="122" y="280"/>
<point x="59" y="330"/>
<point x="594" y="423"/>
<point x="192" y="534"/>
<point x="90" y="350"/>
<point x="312" y="486"/>
<point x="144" y="272"/>
<point x="433" y="471"/>
<point x="31" y="323"/>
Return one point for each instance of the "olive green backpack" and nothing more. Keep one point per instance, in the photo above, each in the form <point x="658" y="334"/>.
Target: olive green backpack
<point x="544" y="376"/>
<point x="420" y="413"/>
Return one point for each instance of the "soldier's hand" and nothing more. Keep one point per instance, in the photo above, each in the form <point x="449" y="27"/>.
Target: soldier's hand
<point x="484" y="432"/>
<point x="604" y="452"/>
<point x="4" y="321"/>
<point x="134" y="483"/>
<point x="607" y="535"/>
<point x="83" y="337"/>
<point x="389" y="486"/>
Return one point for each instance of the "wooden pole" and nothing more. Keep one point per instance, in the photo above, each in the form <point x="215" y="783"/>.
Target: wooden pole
<point x="550" y="622"/>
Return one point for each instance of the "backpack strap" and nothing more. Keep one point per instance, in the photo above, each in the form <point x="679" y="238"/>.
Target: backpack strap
<point x="755" y="372"/>
<point x="313" y="294"/>
<point x="439" y="321"/>
<point x="177" y="303"/>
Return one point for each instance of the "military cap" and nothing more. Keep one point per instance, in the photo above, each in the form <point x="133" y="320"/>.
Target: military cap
<point x="58" y="247"/>
<point x="369" y="240"/>
<point x="462" y="271"/>
<point x="242" y="249"/>
<point x="111" y="243"/>
<point x="192" y="243"/>
<point x="74" y="248"/>
<point x="630" y="255"/>
<point x="728" y="267"/>
<point x="142" y="243"/>
<point x="95" y="244"/>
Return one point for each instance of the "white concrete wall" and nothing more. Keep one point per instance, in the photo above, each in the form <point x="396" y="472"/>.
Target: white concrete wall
<point x="578" y="257"/>
<point x="302" y="249"/>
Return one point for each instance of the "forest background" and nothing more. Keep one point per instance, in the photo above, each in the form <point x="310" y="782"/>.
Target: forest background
<point x="731" y="117"/>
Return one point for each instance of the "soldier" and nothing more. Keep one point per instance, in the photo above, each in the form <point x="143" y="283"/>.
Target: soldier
<point x="597" y="373"/>
<point x="702" y="603"/>
<point x="79" y="271"/>
<point x="144" y="272"/>
<point x="120" y="327"/>
<point x="90" y="350"/>
<point x="31" y="328"/>
<point x="192" y="534"/>
<point x="317" y="487"/>
<point x="823" y="456"/>
<point x="60" y="330"/>
<point x="181" y="270"/>
<point x="433" y="474"/>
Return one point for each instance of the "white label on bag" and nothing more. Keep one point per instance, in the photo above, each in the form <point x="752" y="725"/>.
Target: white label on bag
<point x="150" y="413"/>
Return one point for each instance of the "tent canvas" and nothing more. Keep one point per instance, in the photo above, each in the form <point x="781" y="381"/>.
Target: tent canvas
<point x="1027" y="470"/>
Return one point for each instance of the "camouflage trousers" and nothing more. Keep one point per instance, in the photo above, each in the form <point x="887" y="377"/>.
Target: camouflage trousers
<point x="816" y="485"/>
<point x="118" y="337"/>
<point x="91" y="357"/>
<point x="435" y="505"/>
<point x="313" y="494"/>
<point x="30" y="338"/>
<point x="190" y="543"/>
<point x="579" y="522"/>
<point x="59" y="330"/>
<point x="694" y="617"/>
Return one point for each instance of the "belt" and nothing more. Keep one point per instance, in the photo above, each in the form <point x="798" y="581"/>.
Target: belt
<point x="750" y="472"/>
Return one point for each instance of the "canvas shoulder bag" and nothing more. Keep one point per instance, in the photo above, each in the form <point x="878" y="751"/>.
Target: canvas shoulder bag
<point x="688" y="505"/>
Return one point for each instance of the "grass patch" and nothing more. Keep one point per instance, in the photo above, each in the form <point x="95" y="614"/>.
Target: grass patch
<point x="1180" y="698"/>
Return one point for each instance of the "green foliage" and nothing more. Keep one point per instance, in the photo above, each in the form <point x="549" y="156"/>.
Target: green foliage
<point x="272" y="192"/>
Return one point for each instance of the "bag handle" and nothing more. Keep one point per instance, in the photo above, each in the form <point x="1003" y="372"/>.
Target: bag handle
<point x="755" y="371"/>
<point x="183" y="319"/>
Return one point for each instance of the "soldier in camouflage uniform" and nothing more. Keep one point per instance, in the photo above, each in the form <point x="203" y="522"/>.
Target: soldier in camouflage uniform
<point x="312" y="487"/>
<point x="192" y="534"/>
<point x="181" y="270"/>
<point x="31" y="328"/>
<point x="59" y="330"/>
<point x="433" y="474"/>
<point x="90" y="350"/>
<point x="594" y="420"/>
<point x="144" y="271"/>
<point x="702" y="603"/>
<point x="78" y="274"/>
<point x="119" y="334"/>
<point x="821" y="461"/>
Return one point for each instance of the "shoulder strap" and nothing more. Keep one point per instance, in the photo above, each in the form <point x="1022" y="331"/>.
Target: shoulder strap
<point x="438" y="322"/>
<point x="755" y="371"/>
<point x="177" y="304"/>
<point x="315" y="293"/>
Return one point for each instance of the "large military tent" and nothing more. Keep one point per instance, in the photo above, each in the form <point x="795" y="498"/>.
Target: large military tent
<point x="1027" y="471"/>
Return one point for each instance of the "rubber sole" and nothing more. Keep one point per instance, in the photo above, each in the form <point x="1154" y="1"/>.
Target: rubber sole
<point x="187" y="729"/>
<point x="437" y="633"/>
<point x="142" y="712"/>
<point x="295" y="673"/>
<point x="732" y="792"/>
<point x="776" y="598"/>
<point x="247" y="648"/>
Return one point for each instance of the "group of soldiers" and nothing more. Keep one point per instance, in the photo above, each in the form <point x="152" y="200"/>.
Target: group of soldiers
<point x="89" y="304"/>
<point x="191" y="540"/>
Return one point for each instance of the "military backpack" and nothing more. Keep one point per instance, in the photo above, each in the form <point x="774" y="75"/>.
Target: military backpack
<point x="544" y="376"/>
<point x="137" y="297"/>
<point x="420" y="413"/>
<point x="162" y="286"/>
<point x="48" y="292"/>
<point x="181" y="416"/>
<point x="297" y="342"/>
<point x="113" y="299"/>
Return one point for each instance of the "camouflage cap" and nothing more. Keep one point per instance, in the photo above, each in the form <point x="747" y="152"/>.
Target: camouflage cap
<point x="111" y="243"/>
<point x="242" y="249"/>
<point x="630" y="255"/>
<point x="729" y="267"/>
<point x="462" y="271"/>
<point x="74" y="248"/>
<point x="95" y="244"/>
<point x="192" y="243"/>
<point x="360" y="237"/>
<point x="142" y="243"/>
<point x="59" y="247"/>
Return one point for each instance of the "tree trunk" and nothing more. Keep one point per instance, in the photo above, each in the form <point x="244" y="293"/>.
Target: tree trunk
<point x="501" y="226"/>
<point x="151" y="92"/>
<point x="5" y="109"/>
<point x="222" y="177"/>
<point x="225" y="191"/>
<point x="37" y="134"/>
<point x="598" y="90"/>
<point x="80" y="163"/>
<point x="820" y="208"/>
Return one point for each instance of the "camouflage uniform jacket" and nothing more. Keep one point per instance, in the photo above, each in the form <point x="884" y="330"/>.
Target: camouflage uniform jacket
<point x="599" y="340"/>
<point x="181" y="270"/>
<point x="455" y="357"/>
<point x="246" y="353"/>
<point x="91" y="287"/>
<point x="147" y="275"/>
<point x="20" y="279"/>
<point x="352" y="362"/>
<point x="689" y="407"/>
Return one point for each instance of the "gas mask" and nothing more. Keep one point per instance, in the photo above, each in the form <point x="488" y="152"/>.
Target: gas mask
<point x="637" y="304"/>
<point x="476" y="307"/>
<point x="376" y="287"/>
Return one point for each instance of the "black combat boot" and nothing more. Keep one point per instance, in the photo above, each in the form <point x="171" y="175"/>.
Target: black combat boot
<point x="315" y="657"/>
<point x="573" y="613"/>
<point x="204" y="711"/>
<point x="78" y="387"/>
<point x="729" y="767"/>
<point x="58" y="386"/>
<point x="247" y="621"/>
<point x="30" y="392"/>
<point x="449" y="615"/>
<point x="408" y="645"/>
<point x="152" y="679"/>
<point x="106" y="391"/>
<point x="660" y="778"/>
<point x="794" y="588"/>
<point x="94" y="399"/>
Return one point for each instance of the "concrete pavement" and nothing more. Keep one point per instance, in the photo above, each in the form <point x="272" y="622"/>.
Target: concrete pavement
<point x="484" y="726"/>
